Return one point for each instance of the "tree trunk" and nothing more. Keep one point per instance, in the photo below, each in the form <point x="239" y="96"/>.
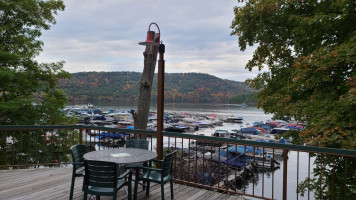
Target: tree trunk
<point x="150" y="59"/>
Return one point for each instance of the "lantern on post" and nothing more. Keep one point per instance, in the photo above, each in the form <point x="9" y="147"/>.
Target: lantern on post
<point x="149" y="41"/>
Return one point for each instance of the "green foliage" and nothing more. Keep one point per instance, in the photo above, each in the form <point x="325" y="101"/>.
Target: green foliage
<point x="28" y="90"/>
<point x="244" y="98"/>
<point x="37" y="147"/>
<point x="331" y="173"/>
<point x="309" y="48"/>
<point x="124" y="86"/>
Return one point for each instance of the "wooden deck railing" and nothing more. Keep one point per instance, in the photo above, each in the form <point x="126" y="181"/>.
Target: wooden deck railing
<point x="256" y="169"/>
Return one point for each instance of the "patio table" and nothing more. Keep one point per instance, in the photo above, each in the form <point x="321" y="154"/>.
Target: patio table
<point x="121" y="156"/>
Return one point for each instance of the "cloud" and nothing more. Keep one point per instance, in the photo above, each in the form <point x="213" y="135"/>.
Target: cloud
<point x="93" y="35"/>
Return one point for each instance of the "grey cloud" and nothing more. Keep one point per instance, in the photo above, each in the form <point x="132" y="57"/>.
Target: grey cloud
<point x="92" y="35"/>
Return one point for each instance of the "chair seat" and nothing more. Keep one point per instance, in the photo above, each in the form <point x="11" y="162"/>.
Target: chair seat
<point x="155" y="177"/>
<point x="102" y="190"/>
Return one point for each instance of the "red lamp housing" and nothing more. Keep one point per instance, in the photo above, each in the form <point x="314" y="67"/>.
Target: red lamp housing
<point x="149" y="41"/>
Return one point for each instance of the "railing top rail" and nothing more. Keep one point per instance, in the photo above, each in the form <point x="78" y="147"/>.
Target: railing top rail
<point x="48" y="127"/>
<point x="313" y="149"/>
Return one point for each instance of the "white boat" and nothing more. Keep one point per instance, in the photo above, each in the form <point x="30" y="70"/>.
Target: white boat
<point x="234" y="119"/>
<point x="204" y="124"/>
<point x="121" y="116"/>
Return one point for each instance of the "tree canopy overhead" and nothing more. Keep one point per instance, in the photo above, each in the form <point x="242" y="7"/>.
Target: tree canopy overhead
<point x="309" y="48"/>
<point x="28" y="91"/>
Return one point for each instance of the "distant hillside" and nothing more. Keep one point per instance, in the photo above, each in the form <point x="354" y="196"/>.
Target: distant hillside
<point x="124" y="86"/>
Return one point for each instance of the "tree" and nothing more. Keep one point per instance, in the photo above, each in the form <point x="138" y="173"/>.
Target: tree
<point x="150" y="55"/>
<point x="28" y="89"/>
<point x="309" y="49"/>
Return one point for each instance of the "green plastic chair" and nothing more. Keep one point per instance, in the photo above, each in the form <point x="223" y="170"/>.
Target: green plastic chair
<point x="77" y="152"/>
<point x="137" y="144"/>
<point x="101" y="179"/>
<point x="160" y="176"/>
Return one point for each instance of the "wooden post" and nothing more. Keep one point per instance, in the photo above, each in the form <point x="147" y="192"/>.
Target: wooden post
<point x="150" y="58"/>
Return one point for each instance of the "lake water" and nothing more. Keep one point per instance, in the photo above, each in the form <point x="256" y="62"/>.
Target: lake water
<point x="250" y="115"/>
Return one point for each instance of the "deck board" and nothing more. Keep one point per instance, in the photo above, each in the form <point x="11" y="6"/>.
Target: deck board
<point x="54" y="183"/>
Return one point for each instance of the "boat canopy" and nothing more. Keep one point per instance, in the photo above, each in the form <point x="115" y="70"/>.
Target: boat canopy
<point x="249" y="130"/>
<point x="236" y="150"/>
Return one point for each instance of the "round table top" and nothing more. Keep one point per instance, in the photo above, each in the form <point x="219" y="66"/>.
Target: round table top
<point x="121" y="155"/>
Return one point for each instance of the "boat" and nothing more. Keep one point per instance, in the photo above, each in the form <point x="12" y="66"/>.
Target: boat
<point x="279" y="130"/>
<point x="233" y="119"/>
<point x="221" y="133"/>
<point x="121" y="116"/>
<point x="124" y="124"/>
<point x="101" y="120"/>
<point x="204" y="124"/>
<point x="176" y="128"/>
<point x="247" y="131"/>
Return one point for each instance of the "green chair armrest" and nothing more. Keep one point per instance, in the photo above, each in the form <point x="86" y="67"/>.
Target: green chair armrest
<point x="151" y="169"/>
<point x="78" y="163"/>
<point x="124" y="174"/>
<point x="155" y="160"/>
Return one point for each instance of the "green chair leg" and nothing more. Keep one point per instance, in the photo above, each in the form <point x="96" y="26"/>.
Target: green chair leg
<point x="172" y="195"/>
<point x="148" y="188"/>
<point x="135" y="188"/>
<point x="72" y="188"/>
<point x="129" y="192"/>
<point x="85" y="196"/>
<point x="143" y="185"/>
<point x="162" y="191"/>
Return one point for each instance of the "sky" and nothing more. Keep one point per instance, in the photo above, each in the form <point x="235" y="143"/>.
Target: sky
<point x="103" y="35"/>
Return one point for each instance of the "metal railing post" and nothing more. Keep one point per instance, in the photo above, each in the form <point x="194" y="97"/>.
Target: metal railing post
<point x="285" y="159"/>
<point x="81" y="136"/>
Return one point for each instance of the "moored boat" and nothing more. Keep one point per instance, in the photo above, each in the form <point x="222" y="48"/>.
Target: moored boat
<point x="234" y="119"/>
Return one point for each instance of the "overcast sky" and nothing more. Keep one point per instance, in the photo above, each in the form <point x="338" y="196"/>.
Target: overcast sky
<point x="103" y="35"/>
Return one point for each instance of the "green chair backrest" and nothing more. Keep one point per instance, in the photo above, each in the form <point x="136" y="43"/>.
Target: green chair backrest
<point x="100" y="174"/>
<point x="77" y="154"/>
<point x="137" y="143"/>
<point x="167" y="164"/>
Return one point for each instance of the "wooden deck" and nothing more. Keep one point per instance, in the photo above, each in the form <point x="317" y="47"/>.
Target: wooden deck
<point x="54" y="183"/>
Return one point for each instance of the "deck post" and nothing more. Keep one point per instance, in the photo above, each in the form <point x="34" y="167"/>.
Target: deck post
<point x="160" y="102"/>
<point x="285" y="159"/>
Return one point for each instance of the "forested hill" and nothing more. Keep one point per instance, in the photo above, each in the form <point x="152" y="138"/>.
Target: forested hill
<point x="179" y="87"/>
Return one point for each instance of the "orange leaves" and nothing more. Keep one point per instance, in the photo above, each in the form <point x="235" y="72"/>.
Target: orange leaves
<point x="351" y="82"/>
<point x="334" y="53"/>
<point x="297" y="65"/>
<point x="286" y="98"/>
<point x="128" y="86"/>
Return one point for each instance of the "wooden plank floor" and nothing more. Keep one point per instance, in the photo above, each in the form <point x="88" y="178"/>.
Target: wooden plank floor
<point x="54" y="183"/>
